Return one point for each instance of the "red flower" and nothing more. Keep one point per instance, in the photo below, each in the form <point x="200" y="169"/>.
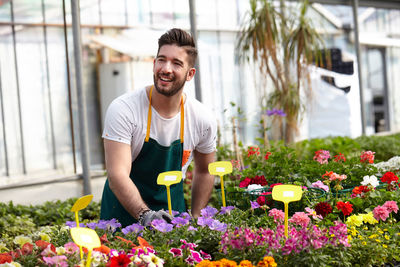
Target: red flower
<point x="27" y="249"/>
<point x="5" y="258"/>
<point x="121" y="260"/>
<point x="345" y="207"/>
<point x="367" y="156"/>
<point x="263" y="199"/>
<point x="389" y="177"/>
<point x="327" y="174"/>
<point x="43" y="244"/>
<point x="245" y="182"/>
<point x="266" y="157"/>
<point x="253" y="150"/>
<point x="323" y="208"/>
<point x="259" y="180"/>
<point x="340" y="157"/>
<point x="360" y="189"/>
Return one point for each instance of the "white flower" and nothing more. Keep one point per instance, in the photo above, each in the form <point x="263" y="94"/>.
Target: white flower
<point x="254" y="187"/>
<point x="370" y="180"/>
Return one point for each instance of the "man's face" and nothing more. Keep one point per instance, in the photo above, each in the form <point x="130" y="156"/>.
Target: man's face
<point x="171" y="70"/>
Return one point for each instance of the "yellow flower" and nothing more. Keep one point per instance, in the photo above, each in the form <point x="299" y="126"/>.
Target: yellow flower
<point x="387" y="237"/>
<point x="15" y="264"/>
<point x="377" y="240"/>
<point x="3" y="247"/>
<point x="360" y="237"/>
<point x="369" y="218"/>
<point x="21" y="240"/>
<point x="373" y="236"/>
<point x="354" y="220"/>
<point x="44" y="237"/>
<point x="349" y="238"/>
<point x="60" y="250"/>
<point x="380" y="231"/>
<point x="385" y="230"/>
<point x="364" y="243"/>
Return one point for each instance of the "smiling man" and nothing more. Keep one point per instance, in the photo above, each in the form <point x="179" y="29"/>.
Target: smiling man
<point x="158" y="129"/>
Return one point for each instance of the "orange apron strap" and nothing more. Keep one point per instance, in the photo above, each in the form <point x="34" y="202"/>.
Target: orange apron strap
<point x="182" y="120"/>
<point x="149" y="118"/>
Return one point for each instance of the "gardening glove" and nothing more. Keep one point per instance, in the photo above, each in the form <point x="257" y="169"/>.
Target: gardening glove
<point x="148" y="216"/>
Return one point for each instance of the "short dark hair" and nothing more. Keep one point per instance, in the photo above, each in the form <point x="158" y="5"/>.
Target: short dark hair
<point x="182" y="39"/>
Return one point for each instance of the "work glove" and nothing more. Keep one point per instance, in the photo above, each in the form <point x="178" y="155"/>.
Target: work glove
<point x="150" y="215"/>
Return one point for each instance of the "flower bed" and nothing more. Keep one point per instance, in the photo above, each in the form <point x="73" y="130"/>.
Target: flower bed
<point x="360" y="226"/>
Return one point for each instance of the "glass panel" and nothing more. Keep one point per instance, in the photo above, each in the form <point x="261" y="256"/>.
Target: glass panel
<point x="375" y="70"/>
<point x="54" y="11"/>
<point x="10" y="101"/>
<point x="162" y="12"/>
<point x="138" y="12"/>
<point x="227" y="13"/>
<point x="59" y="99"/>
<point x="113" y="12"/>
<point x="89" y="12"/>
<point x="32" y="73"/>
<point x="206" y="14"/>
<point x="5" y="14"/>
<point x="28" y="11"/>
<point x="181" y="13"/>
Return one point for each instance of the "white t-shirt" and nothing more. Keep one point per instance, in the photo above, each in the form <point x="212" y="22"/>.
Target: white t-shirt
<point x="126" y="122"/>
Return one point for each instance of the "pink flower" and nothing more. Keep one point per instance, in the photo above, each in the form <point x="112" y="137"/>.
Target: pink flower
<point x="367" y="156"/>
<point x="312" y="213"/>
<point x="58" y="261"/>
<point x="196" y="256"/>
<point x="277" y="214"/>
<point x="391" y="206"/>
<point x="320" y="185"/>
<point x="176" y="252"/>
<point x="71" y="248"/>
<point x="381" y="213"/>
<point x="300" y="218"/>
<point x="335" y="176"/>
<point x="322" y="156"/>
<point x="206" y="256"/>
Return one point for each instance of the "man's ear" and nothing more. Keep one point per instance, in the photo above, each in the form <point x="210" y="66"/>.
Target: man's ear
<point x="190" y="74"/>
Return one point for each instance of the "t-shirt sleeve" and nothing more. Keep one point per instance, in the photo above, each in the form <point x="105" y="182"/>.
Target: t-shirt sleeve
<point x="208" y="137"/>
<point x="118" y="123"/>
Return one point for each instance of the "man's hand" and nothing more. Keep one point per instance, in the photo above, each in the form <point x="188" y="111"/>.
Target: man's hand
<point x="151" y="215"/>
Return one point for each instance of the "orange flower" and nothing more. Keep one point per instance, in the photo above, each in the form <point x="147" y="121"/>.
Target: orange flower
<point x="205" y="263"/>
<point x="103" y="249"/>
<point x="125" y="240"/>
<point x="228" y="263"/>
<point x="245" y="263"/>
<point x="267" y="262"/>
<point x="143" y="243"/>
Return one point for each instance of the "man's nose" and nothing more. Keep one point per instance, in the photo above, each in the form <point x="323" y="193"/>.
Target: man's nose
<point x="167" y="67"/>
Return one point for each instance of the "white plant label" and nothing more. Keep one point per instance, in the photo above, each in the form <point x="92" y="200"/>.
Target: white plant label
<point x="288" y="193"/>
<point x="170" y="178"/>
<point x="220" y="169"/>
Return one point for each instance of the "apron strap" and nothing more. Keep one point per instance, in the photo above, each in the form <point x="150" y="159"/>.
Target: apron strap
<point x="149" y="118"/>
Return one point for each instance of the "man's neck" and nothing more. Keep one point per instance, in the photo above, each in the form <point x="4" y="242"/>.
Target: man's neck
<point x="166" y="106"/>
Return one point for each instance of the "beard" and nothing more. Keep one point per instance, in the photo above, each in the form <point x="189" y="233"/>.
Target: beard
<point x="176" y="86"/>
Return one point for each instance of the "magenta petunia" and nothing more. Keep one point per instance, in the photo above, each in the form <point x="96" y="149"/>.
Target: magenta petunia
<point x="176" y="252"/>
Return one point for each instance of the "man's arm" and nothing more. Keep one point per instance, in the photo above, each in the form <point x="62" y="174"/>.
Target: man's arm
<point x="203" y="182"/>
<point x="118" y="163"/>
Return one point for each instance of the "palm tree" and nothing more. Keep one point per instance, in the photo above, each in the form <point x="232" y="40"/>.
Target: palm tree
<point x="282" y="41"/>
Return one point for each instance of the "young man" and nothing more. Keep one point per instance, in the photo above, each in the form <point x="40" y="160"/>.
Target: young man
<point x="158" y="129"/>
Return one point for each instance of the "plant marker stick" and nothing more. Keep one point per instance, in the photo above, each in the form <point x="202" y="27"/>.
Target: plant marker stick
<point x="77" y="225"/>
<point x="286" y="218"/>
<point x="89" y="258"/>
<point x="222" y="191"/>
<point x="169" y="200"/>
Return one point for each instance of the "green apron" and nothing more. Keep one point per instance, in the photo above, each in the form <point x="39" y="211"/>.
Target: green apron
<point x="152" y="160"/>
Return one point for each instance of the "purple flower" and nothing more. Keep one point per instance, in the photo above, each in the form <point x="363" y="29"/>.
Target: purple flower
<point x="209" y="212"/>
<point x="135" y="228"/>
<point x="92" y="225"/>
<point x="112" y="225"/>
<point x="185" y="215"/>
<point x="174" y="212"/>
<point x="218" y="226"/>
<point x="254" y="205"/>
<point x="191" y="228"/>
<point x="189" y="260"/>
<point x="72" y="224"/>
<point x="205" y="221"/>
<point x="275" y="111"/>
<point x="162" y="226"/>
<point x="227" y="209"/>
<point x="179" y="222"/>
